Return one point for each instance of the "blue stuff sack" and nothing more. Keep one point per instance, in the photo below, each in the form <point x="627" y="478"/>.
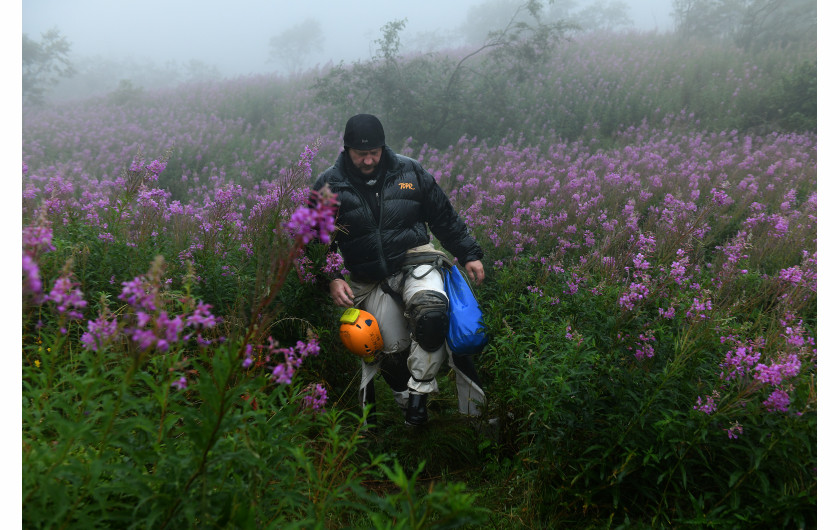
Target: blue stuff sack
<point x="466" y="327"/>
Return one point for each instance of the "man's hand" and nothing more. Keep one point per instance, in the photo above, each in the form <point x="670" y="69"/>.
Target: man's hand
<point x="342" y="294"/>
<point x="475" y="270"/>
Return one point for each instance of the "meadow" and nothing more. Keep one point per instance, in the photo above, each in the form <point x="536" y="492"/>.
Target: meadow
<point x="648" y="211"/>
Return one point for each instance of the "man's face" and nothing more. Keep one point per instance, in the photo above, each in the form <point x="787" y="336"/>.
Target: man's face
<point x="365" y="161"/>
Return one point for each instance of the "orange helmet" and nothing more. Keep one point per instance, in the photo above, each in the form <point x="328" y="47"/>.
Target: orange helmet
<point x="359" y="332"/>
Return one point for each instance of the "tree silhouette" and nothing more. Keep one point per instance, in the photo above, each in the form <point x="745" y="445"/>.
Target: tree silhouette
<point x="44" y="63"/>
<point x="295" y="45"/>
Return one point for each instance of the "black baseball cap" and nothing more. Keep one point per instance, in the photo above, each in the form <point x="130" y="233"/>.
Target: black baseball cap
<point x="363" y="132"/>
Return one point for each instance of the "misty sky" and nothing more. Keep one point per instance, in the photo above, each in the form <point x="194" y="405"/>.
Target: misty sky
<point x="234" y="35"/>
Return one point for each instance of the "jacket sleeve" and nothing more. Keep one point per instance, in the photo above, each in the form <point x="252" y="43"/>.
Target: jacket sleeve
<point x="444" y="221"/>
<point x="320" y="181"/>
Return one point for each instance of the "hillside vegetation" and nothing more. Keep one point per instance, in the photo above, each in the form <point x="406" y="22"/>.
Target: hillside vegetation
<point x="648" y="209"/>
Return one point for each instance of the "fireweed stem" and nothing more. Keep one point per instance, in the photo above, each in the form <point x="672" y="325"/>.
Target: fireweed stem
<point x="211" y="441"/>
<point x="165" y="403"/>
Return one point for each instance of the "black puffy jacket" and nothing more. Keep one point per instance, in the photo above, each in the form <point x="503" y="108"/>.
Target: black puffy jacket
<point x="410" y="199"/>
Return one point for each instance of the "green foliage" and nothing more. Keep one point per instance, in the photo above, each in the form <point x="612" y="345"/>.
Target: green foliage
<point x="122" y="437"/>
<point x="751" y="24"/>
<point x="438" y="97"/>
<point x="125" y="93"/>
<point x="792" y="101"/>
<point x="523" y="79"/>
<point x="449" y="506"/>
<point x="601" y="434"/>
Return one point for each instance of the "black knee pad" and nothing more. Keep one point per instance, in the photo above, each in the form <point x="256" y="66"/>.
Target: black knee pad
<point x="394" y="369"/>
<point x="428" y="319"/>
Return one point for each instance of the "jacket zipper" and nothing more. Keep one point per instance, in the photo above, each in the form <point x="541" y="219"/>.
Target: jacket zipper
<point x="380" y="197"/>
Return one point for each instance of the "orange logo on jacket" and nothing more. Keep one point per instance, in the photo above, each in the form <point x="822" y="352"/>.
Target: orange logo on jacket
<point x="406" y="186"/>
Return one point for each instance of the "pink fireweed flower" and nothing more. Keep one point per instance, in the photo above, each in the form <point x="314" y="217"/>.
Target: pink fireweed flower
<point x="668" y="313"/>
<point x="292" y="358"/>
<point x="738" y="361"/>
<point x="573" y="284"/>
<point x="630" y="215"/>
<point x="283" y="373"/>
<point x="645" y="350"/>
<point x="799" y="275"/>
<point x="156" y="167"/>
<point x="143" y="338"/>
<point x="143" y="318"/>
<point x="640" y="262"/>
<point x="180" y="384"/>
<point x="303" y="195"/>
<point x="735" y="250"/>
<point x="708" y="406"/>
<point x="778" y="401"/>
<point x="135" y="294"/>
<point x="306" y="157"/>
<point x="796" y="335"/>
<point x="67" y="298"/>
<point x="248" y="359"/>
<point x="334" y="264"/>
<point x="589" y="238"/>
<point x="679" y="268"/>
<point x="171" y="327"/>
<point x="101" y="332"/>
<point x="145" y="326"/>
<point x="154" y="198"/>
<point x="635" y="294"/>
<point x="791" y="275"/>
<point x="721" y="198"/>
<point x="698" y="309"/>
<point x="304" y="268"/>
<point x="315" y="398"/>
<point x="31" y="278"/>
<point x="780" y="225"/>
<point x="734" y="430"/>
<point x="776" y="372"/>
<point x="201" y="317"/>
<point x="37" y="238"/>
<point x="643" y="347"/>
<point x="646" y="243"/>
<point x="308" y="223"/>
<point x="536" y="290"/>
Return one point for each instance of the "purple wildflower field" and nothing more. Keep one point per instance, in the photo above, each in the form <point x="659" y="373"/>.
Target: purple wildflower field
<point x="661" y="191"/>
<point x="697" y="242"/>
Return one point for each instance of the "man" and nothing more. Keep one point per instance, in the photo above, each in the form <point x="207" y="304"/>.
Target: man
<point x="387" y="204"/>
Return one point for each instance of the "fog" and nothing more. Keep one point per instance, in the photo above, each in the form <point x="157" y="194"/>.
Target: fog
<point x="234" y="37"/>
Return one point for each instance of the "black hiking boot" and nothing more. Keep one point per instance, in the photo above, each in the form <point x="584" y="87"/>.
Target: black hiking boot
<point x="416" y="413"/>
